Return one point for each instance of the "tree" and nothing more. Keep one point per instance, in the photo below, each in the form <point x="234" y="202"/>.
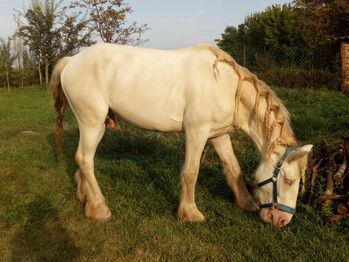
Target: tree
<point x="25" y="63"/>
<point x="276" y="35"/>
<point x="7" y="59"/>
<point x="280" y="25"/>
<point x="36" y="27"/>
<point x="74" y="34"/>
<point x="229" y="41"/>
<point x="19" y="49"/>
<point x="48" y="38"/>
<point x="108" y="19"/>
<point x="254" y="32"/>
<point x="276" y="27"/>
<point x="327" y="20"/>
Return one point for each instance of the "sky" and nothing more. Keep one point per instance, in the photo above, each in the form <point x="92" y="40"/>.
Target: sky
<point x="173" y="24"/>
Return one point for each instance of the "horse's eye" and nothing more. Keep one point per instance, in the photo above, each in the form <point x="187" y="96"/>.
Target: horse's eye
<point x="289" y="181"/>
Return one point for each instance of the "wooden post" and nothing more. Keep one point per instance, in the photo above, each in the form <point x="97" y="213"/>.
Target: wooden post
<point x="345" y="65"/>
<point x="244" y="55"/>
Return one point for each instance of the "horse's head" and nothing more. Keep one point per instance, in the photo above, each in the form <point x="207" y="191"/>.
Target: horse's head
<point x="278" y="178"/>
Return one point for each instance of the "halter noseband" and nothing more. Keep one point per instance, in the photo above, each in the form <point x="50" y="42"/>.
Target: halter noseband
<point x="274" y="180"/>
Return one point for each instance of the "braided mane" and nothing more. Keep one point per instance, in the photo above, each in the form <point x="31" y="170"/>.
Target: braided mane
<point x="274" y="104"/>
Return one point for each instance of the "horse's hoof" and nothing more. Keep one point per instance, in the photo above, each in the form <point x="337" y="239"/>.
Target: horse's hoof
<point x="101" y="213"/>
<point x="190" y="214"/>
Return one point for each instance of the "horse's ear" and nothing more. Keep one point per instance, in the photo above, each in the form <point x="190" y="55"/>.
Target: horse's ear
<point x="299" y="153"/>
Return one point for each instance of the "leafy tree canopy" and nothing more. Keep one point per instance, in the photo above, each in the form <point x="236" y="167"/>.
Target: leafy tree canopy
<point x="108" y="20"/>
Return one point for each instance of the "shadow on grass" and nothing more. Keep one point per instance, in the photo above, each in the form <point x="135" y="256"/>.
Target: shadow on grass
<point x="69" y="145"/>
<point x="43" y="238"/>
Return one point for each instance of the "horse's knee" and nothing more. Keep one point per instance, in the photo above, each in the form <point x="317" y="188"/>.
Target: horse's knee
<point x="231" y="169"/>
<point x="189" y="177"/>
<point x="86" y="164"/>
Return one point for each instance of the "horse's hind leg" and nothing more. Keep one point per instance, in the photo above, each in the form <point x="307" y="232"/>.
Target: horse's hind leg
<point x="232" y="172"/>
<point x="88" y="190"/>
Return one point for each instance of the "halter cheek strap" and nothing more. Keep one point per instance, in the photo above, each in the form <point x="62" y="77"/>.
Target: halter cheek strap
<point x="273" y="180"/>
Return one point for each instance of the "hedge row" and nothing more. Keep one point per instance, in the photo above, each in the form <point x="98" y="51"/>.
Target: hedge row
<point x="299" y="78"/>
<point x="29" y="77"/>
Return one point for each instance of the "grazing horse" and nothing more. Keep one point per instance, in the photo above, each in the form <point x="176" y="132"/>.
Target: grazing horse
<point x="199" y="90"/>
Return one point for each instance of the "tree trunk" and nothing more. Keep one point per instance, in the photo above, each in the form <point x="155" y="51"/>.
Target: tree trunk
<point x="244" y="55"/>
<point x="22" y="77"/>
<point x="40" y="75"/>
<point x="46" y="71"/>
<point x="21" y="71"/>
<point x="7" y="79"/>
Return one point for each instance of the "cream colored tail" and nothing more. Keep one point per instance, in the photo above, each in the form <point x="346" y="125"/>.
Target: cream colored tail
<point x="60" y="101"/>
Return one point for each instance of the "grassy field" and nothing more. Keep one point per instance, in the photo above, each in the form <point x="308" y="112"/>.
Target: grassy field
<point x="138" y="171"/>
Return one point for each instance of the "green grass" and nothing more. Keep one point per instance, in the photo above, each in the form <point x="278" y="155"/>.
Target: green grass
<point x="138" y="171"/>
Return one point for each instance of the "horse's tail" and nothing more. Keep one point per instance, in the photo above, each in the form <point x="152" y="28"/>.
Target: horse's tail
<point x="60" y="101"/>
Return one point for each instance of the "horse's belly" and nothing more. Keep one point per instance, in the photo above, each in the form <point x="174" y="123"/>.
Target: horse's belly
<point x="146" y="120"/>
<point x="159" y="110"/>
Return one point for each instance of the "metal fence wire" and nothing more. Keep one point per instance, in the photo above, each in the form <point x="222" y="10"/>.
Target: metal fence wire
<point x="294" y="67"/>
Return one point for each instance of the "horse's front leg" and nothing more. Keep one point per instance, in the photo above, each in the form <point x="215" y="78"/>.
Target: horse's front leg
<point x="195" y="143"/>
<point x="232" y="172"/>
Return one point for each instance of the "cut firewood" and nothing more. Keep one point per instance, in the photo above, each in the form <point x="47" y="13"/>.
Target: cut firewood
<point x="314" y="165"/>
<point x="327" y="197"/>
<point x="339" y="176"/>
<point x="342" y="209"/>
<point x="333" y="163"/>
<point x="314" y="173"/>
<point x="329" y="180"/>
<point x="335" y="218"/>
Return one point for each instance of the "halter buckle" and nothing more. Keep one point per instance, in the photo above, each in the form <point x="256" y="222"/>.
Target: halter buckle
<point x="275" y="205"/>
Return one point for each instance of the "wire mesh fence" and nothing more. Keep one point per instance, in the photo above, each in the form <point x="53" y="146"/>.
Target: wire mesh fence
<point x="294" y="67"/>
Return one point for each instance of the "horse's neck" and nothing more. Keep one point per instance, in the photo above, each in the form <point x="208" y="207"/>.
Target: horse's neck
<point x="260" y="117"/>
<point x="249" y="125"/>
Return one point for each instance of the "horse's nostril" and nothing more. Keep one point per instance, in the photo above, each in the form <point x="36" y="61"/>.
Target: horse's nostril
<point x="282" y="222"/>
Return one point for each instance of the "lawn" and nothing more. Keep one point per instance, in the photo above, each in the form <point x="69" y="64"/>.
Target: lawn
<point x="138" y="171"/>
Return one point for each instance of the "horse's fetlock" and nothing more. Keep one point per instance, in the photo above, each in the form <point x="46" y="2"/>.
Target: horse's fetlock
<point x="188" y="212"/>
<point x="99" y="212"/>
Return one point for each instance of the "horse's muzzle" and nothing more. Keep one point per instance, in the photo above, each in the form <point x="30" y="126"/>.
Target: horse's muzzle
<point x="275" y="217"/>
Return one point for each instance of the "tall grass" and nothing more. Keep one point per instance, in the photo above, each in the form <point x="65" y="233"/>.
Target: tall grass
<point x="138" y="171"/>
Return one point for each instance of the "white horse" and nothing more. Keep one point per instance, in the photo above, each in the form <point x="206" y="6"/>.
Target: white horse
<point x="200" y="90"/>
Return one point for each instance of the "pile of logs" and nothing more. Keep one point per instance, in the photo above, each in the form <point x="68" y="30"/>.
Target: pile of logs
<point x="328" y="172"/>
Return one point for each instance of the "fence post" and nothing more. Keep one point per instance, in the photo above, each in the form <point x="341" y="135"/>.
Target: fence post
<point x="345" y="65"/>
<point x="244" y="50"/>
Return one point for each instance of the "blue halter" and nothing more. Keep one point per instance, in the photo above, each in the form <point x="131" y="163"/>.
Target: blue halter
<point x="274" y="180"/>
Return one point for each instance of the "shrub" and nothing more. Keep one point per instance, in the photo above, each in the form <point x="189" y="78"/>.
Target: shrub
<point x="30" y="77"/>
